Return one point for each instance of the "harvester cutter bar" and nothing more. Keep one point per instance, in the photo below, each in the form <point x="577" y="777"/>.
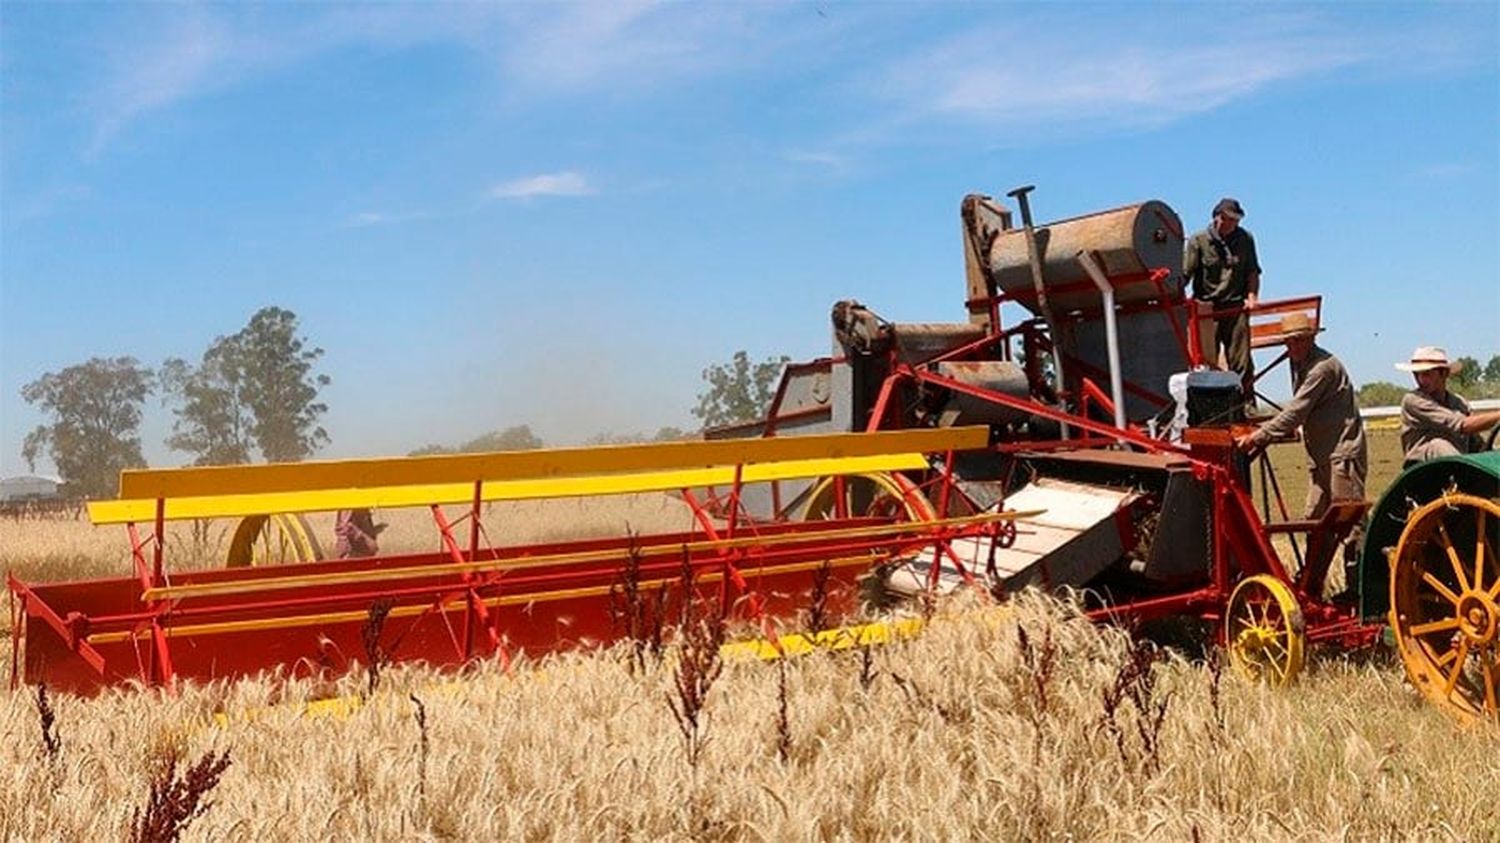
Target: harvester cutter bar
<point x="550" y="599"/>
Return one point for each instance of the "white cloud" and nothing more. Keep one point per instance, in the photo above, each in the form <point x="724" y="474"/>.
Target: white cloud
<point x="364" y="219"/>
<point x="1086" y="78"/>
<point x="830" y="160"/>
<point x="154" y="74"/>
<point x="174" y="54"/>
<point x="1450" y="170"/>
<point x="567" y="183"/>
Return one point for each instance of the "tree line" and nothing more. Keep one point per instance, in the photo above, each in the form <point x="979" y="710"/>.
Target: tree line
<point x="1472" y="380"/>
<point x="254" y="395"/>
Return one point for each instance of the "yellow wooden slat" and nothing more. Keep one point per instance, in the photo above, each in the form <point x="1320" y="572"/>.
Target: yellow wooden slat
<point x="532" y="465"/>
<point x="325" y="500"/>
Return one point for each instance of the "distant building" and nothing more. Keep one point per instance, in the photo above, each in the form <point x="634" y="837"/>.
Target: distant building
<point x="29" y="487"/>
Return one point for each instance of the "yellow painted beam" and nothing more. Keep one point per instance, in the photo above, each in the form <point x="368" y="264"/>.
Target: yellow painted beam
<point x="388" y="497"/>
<point x="842" y="638"/>
<point x="533" y="465"/>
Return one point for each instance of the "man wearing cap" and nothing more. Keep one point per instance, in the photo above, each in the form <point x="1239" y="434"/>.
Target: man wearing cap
<point x="1221" y="264"/>
<point x="1434" y="421"/>
<point x="1323" y="405"/>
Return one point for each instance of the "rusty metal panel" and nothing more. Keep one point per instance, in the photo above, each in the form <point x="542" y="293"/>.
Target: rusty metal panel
<point x="997" y="375"/>
<point x="1180" y="549"/>
<point x="919" y="341"/>
<point x="1150" y="354"/>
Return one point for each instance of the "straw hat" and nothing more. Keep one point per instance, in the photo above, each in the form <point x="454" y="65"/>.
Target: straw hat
<point x="1297" y="324"/>
<point x="1429" y="357"/>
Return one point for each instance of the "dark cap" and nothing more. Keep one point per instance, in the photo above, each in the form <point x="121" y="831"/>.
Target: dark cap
<point x="1229" y="208"/>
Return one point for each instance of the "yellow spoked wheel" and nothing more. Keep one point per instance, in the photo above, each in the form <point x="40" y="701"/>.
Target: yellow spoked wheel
<point x="879" y="495"/>
<point x="1445" y="603"/>
<point x="1264" y="631"/>
<point x="276" y="539"/>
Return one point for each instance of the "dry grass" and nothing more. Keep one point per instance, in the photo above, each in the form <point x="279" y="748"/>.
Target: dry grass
<point x="1290" y="463"/>
<point x="962" y="733"/>
<point x="975" y="729"/>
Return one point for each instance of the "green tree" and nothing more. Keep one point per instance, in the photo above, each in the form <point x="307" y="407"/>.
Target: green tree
<point x="672" y="434"/>
<point x="95" y="411"/>
<point x="517" y="438"/>
<point x="214" y="421"/>
<point x="1492" y="370"/>
<point x="1380" y="394"/>
<point x="663" y="434"/>
<point x="738" y="391"/>
<point x="275" y="365"/>
<point x="1468" y="372"/>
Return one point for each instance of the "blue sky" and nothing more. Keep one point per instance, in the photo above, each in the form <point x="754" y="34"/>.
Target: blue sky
<point x="557" y="215"/>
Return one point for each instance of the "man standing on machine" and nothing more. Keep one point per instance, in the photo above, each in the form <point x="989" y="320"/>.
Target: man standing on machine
<point x="1221" y="264"/>
<point x="1323" y="405"/>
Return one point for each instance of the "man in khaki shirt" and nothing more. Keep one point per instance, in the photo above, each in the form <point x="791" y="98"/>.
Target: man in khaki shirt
<point x="1434" y="421"/>
<point x="1323" y="405"/>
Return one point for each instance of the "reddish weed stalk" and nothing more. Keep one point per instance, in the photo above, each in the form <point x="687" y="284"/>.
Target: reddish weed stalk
<point x="700" y="635"/>
<point x="176" y="801"/>
<point x="638" y="612"/>
<point x="423" y="746"/>
<point x="783" y="715"/>
<point x="1135" y="681"/>
<point x="817" y="609"/>
<point x="51" y="740"/>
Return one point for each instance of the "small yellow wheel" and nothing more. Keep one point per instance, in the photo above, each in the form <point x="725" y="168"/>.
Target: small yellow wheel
<point x="1445" y="603"/>
<point x="876" y="495"/>
<point x="1264" y="631"/>
<point x="276" y="539"/>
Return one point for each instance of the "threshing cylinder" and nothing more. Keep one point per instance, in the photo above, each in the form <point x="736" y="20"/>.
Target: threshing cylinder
<point x="1128" y="242"/>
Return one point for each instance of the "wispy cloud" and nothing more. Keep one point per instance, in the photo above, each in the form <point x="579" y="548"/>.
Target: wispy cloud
<point x="46" y="202"/>
<point x="567" y="183"/>
<point x="1078" y="78"/>
<point x="373" y="218"/>
<point x="181" y="53"/>
<point x="156" y="73"/>
<point x="1448" y="170"/>
<point x="829" y="160"/>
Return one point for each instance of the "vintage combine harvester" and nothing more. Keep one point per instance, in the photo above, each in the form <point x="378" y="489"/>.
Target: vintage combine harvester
<point x="1086" y="444"/>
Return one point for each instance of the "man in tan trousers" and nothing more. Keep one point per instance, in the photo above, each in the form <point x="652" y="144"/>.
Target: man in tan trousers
<point x="1323" y="405"/>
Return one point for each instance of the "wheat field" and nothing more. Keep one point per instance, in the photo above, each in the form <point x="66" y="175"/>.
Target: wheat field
<point x="1024" y="723"/>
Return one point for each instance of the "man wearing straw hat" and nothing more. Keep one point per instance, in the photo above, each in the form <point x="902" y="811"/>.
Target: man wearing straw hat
<point x="1434" y="421"/>
<point x="1323" y="405"/>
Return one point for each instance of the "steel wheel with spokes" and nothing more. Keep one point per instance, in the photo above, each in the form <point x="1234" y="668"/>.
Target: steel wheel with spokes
<point x="1445" y="603"/>
<point x="1264" y="631"/>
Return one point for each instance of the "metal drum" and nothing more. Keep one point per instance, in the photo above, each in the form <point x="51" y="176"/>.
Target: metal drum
<point x="1129" y="242"/>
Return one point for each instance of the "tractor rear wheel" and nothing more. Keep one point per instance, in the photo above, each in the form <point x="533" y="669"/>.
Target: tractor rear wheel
<point x="277" y="539"/>
<point x="1445" y="603"/>
<point x="1264" y="631"/>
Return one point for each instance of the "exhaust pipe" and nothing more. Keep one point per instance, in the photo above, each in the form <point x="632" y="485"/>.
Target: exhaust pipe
<point x="1035" y="256"/>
